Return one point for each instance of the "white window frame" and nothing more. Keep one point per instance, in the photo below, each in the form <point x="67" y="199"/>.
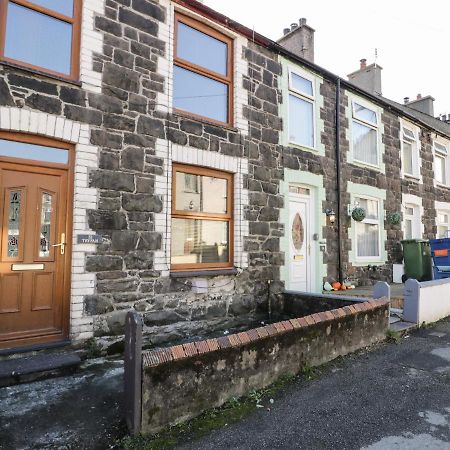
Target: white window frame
<point x="415" y="144"/>
<point x="368" y="124"/>
<point x="303" y="96"/>
<point x="415" y="218"/>
<point x="439" y="153"/>
<point x="378" y="222"/>
<point x="438" y="224"/>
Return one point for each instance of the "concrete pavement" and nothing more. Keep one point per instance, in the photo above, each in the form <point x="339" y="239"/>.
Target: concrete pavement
<point x="395" y="397"/>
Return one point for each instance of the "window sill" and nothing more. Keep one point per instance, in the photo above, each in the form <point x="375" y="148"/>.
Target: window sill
<point x="203" y="120"/>
<point x="40" y="73"/>
<point x="203" y="273"/>
<point x="364" y="165"/>
<point x="408" y="176"/>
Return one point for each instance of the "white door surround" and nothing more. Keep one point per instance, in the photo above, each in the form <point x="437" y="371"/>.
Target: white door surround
<point x="300" y="231"/>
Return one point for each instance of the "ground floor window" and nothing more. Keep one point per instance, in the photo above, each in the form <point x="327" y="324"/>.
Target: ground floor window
<point x="411" y="221"/>
<point x="443" y="225"/>
<point x="202" y="218"/>
<point x="367" y="232"/>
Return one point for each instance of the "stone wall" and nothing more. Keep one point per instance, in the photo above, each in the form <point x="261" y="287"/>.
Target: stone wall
<point x="180" y="382"/>
<point x="130" y="136"/>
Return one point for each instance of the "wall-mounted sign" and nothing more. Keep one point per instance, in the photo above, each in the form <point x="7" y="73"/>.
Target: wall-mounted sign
<point x="89" y="239"/>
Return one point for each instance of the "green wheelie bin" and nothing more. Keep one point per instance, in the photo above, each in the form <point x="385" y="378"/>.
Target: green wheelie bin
<point x="417" y="260"/>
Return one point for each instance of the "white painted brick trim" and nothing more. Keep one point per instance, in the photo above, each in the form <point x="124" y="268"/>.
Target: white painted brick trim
<point x="170" y="153"/>
<point x="91" y="42"/>
<point x="86" y="158"/>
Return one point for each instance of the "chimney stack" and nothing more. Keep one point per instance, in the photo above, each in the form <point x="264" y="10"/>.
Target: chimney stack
<point x="368" y="77"/>
<point x="299" y="39"/>
<point x="423" y="104"/>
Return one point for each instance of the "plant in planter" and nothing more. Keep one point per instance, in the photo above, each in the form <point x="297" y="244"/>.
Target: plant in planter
<point x="358" y="214"/>
<point x="394" y="218"/>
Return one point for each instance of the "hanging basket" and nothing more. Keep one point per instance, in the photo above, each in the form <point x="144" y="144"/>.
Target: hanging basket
<point x="358" y="214"/>
<point x="394" y="218"/>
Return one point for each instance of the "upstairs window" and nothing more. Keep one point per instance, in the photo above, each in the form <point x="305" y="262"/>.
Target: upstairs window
<point x="301" y="110"/>
<point x="202" y="218"/>
<point x="441" y="163"/>
<point x="43" y="35"/>
<point x="203" y="71"/>
<point x="365" y="135"/>
<point x="368" y="231"/>
<point x="410" y="153"/>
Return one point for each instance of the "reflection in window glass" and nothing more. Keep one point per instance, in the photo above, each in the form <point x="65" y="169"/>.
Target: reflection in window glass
<point x="38" y="39"/>
<point x="301" y="121"/>
<point x="440" y="175"/>
<point x="365" y="144"/>
<point x="201" y="49"/>
<point x="199" y="241"/>
<point x="62" y="6"/>
<point x="370" y="206"/>
<point x="365" y="114"/>
<point x="301" y="84"/>
<point x="200" y="95"/>
<point x="14" y="149"/>
<point x="46" y="216"/>
<point x="200" y="193"/>
<point x="14" y="224"/>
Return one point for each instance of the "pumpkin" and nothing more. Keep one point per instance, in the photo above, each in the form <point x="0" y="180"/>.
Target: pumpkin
<point x="343" y="287"/>
<point x="336" y="285"/>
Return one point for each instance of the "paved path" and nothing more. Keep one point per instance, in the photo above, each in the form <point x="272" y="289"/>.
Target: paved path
<point x="394" y="398"/>
<point x="78" y="412"/>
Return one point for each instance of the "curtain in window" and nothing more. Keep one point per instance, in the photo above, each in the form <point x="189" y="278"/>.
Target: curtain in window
<point x="365" y="143"/>
<point x="407" y="158"/>
<point x="367" y="237"/>
<point x="440" y="169"/>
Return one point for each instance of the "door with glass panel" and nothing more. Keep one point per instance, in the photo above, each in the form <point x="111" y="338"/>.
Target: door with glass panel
<point x="33" y="245"/>
<point x="301" y="265"/>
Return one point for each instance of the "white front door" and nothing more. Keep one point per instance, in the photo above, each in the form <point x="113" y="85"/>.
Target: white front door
<point x="300" y="258"/>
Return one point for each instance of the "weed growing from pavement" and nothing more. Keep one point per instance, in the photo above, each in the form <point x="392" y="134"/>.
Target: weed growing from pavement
<point x="232" y="411"/>
<point x="393" y="336"/>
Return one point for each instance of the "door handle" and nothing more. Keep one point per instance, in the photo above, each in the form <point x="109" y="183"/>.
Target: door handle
<point x="62" y="244"/>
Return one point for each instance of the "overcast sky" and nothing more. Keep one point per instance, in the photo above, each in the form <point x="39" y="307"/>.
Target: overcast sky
<point x="412" y="38"/>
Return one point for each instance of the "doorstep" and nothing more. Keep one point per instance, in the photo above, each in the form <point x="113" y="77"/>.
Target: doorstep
<point x="33" y="368"/>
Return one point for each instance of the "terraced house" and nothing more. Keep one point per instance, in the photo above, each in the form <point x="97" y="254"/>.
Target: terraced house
<point x="157" y="155"/>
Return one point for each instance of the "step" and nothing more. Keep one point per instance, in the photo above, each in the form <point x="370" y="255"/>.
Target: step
<point x="402" y="326"/>
<point x="25" y="370"/>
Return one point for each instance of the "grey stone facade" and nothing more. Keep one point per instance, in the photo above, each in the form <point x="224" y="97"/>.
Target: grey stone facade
<point x="125" y="123"/>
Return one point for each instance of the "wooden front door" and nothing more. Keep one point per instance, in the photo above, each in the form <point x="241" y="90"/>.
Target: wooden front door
<point x="33" y="224"/>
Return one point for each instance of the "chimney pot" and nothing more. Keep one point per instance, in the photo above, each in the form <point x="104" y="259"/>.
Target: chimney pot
<point x="363" y="63"/>
<point x="406" y="100"/>
<point x="419" y="96"/>
<point x="298" y="39"/>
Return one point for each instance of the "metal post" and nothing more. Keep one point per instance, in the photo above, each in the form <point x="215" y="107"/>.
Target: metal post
<point x="133" y="371"/>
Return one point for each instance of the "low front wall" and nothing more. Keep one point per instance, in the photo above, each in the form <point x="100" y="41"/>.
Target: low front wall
<point x="180" y="382"/>
<point x="426" y="302"/>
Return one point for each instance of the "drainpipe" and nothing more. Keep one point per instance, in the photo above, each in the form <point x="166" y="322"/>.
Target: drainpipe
<point x="338" y="176"/>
